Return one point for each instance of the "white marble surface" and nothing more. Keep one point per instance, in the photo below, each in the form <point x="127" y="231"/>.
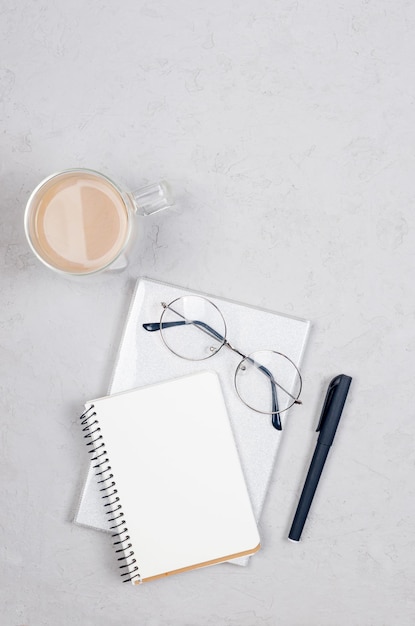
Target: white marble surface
<point x="287" y="131"/>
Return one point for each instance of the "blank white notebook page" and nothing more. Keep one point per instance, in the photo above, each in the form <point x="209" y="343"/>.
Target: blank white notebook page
<point x="177" y="474"/>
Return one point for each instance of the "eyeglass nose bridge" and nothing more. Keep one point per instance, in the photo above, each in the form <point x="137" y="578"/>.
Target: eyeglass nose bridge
<point x="231" y="347"/>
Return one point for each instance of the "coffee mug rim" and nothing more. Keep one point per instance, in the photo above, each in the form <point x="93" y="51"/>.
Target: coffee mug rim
<point x="69" y="171"/>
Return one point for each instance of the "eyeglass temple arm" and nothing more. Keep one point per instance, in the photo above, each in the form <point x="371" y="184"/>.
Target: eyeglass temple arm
<point x="153" y="326"/>
<point x="276" y="419"/>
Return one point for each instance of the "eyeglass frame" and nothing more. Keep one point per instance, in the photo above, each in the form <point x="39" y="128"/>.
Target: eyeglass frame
<point x="158" y="326"/>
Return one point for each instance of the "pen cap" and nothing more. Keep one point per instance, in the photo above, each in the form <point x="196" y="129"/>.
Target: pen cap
<point x="332" y="409"/>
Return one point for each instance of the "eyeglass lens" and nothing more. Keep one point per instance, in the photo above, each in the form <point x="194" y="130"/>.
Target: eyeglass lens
<point x="267" y="381"/>
<point x="193" y="328"/>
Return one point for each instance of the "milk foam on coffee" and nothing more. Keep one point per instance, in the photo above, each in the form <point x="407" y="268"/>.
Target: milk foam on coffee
<point x="80" y="222"/>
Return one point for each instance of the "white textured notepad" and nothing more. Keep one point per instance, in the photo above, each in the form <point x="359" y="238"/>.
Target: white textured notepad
<point x="173" y="487"/>
<point x="143" y="359"/>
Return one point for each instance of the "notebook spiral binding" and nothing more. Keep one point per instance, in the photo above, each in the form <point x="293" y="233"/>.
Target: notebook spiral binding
<point x="91" y="427"/>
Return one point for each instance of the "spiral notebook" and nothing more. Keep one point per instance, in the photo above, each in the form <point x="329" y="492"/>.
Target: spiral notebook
<point x="170" y="477"/>
<point x="143" y="359"/>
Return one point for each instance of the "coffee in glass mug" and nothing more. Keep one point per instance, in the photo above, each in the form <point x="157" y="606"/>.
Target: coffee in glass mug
<point x="79" y="221"/>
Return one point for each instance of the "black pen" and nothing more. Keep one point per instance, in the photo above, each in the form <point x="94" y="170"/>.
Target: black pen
<point x="329" y="420"/>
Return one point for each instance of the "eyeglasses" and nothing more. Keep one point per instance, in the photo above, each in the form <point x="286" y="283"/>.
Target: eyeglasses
<point x="193" y="328"/>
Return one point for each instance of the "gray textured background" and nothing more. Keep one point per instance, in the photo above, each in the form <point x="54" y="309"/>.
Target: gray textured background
<point x="287" y="131"/>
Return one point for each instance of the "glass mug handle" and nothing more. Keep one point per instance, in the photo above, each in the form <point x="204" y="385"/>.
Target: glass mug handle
<point x="152" y="198"/>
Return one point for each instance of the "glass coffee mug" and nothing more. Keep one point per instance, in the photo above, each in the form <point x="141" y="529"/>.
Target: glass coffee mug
<point x="79" y="222"/>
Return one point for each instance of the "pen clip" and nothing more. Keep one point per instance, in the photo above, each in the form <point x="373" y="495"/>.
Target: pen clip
<point x="329" y="397"/>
